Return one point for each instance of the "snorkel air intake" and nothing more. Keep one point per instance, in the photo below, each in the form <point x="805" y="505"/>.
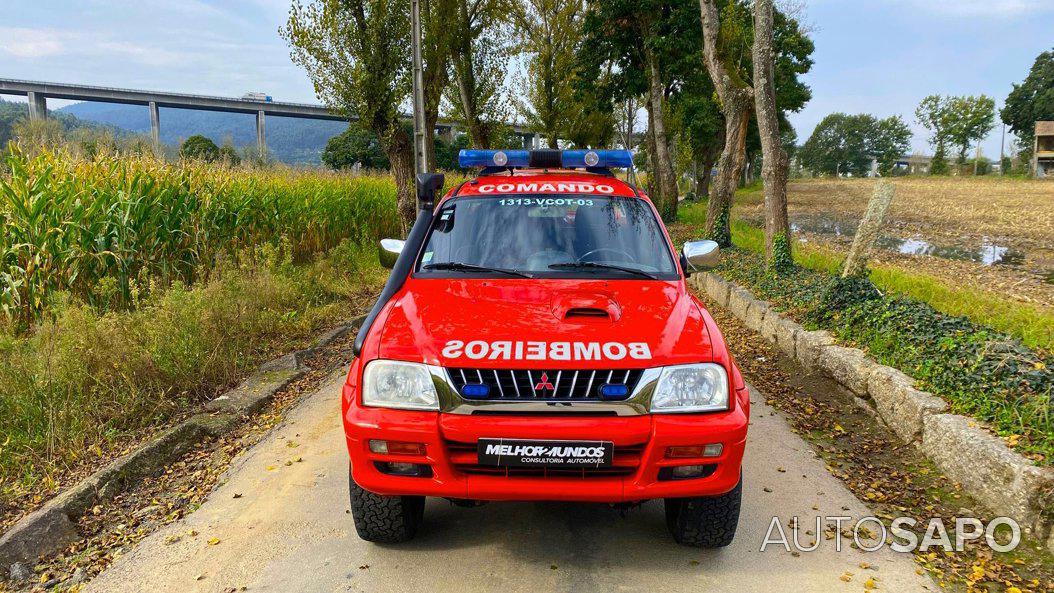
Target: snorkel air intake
<point x="428" y="185"/>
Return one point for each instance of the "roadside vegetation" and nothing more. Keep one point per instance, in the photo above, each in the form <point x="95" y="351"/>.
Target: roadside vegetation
<point x="134" y="289"/>
<point x="982" y="372"/>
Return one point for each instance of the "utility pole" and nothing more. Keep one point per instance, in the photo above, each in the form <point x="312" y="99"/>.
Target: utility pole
<point x="420" y="163"/>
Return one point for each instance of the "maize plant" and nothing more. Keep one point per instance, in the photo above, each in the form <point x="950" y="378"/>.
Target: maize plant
<point x="101" y="230"/>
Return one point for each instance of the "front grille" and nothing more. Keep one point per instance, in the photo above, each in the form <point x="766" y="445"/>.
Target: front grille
<point x="625" y="462"/>
<point x="544" y="385"/>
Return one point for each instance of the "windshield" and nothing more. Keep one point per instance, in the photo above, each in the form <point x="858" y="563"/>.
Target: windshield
<point x="549" y="236"/>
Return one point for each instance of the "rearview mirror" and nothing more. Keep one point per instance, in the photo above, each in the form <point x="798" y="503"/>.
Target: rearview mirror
<point x="389" y="252"/>
<point x="701" y="255"/>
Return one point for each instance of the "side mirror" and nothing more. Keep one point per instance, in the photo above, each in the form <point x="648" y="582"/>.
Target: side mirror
<point x="389" y="252"/>
<point x="701" y="255"/>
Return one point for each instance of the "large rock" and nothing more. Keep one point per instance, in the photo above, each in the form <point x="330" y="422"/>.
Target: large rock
<point x="787" y="336"/>
<point x="903" y="407"/>
<point x="739" y="301"/>
<point x="809" y="347"/>
<point x="45" y="530"/>
<point x="849" y="366"/>
<point x="716" y="288"/>
<point x="1004" y="481"/>
<point x="756" y="315"/>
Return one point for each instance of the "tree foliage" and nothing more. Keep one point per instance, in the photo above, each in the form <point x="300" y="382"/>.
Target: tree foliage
<point x="549" y="33"/>
<point x="955" y="122"/>
<point x="1031" y="101"/>
<point x="845" y="144"/>
<point x="477" y="97"/>
<point x="356" y="145"/>
<point x="200" y="148"/>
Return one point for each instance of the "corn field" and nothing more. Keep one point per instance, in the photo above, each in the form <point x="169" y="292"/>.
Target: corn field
<point x="105" y="230"/>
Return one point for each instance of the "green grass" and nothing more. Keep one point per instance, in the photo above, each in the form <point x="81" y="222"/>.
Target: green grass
<point x="134" y="289"/>
<point x="945" y="337"/>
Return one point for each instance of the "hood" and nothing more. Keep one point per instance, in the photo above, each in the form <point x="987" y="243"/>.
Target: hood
<point x="550" y="323"/>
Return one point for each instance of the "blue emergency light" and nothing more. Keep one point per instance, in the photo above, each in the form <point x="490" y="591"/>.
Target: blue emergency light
<point x="567" y="159"/>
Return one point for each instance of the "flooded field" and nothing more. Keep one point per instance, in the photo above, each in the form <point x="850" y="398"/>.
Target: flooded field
<point x="995" y="232"/>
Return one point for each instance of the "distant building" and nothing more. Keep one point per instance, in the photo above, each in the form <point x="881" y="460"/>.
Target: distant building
<point x="1043" y="149"/>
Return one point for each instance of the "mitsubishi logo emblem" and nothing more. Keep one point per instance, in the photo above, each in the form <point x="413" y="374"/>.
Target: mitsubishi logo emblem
<point x="543" y="383"/>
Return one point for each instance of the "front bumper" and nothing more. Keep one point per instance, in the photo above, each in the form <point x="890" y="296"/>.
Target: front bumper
<point x="449" y="439"/>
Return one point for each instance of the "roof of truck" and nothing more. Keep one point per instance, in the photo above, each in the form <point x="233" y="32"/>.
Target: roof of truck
<point x="547" y="182"/>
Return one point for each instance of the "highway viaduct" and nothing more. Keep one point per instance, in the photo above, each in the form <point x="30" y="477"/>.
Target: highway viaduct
<point x="39" y="92"/>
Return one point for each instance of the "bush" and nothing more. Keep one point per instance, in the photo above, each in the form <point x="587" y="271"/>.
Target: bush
<point x="200" y="148"/>
<point x="85" y="380"/>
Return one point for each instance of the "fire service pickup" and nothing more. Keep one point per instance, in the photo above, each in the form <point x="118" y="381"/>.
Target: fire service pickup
<point x="536" y="341"/>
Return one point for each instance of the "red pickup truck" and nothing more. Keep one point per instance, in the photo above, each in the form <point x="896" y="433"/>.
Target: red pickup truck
<point x="536" y="340"/>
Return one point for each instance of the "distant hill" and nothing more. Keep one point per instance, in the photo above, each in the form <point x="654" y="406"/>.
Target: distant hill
<point x="11" y="113"/>
<point x="289" y="140"/>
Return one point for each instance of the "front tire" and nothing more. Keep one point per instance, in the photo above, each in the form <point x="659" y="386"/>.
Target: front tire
<point x="385" y="519"/>
<point x="705" y="521"/>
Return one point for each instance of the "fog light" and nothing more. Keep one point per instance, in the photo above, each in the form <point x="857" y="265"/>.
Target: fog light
<point x="684" y="472"/>
<point x="614" y="391"/>
<point x="475" y="391"/>
<point x="404" y="469"/>
<point x="396" y="448"/>
<point x="689" y="451"/>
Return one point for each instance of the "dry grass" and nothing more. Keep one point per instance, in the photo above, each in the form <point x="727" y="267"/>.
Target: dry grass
<point x="1021" y="211"/>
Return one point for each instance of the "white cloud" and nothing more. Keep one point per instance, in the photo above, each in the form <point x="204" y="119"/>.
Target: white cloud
<point x="30" y="43"/>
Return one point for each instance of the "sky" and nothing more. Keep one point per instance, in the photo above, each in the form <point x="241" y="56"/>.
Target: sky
<point x="872" y="56"/>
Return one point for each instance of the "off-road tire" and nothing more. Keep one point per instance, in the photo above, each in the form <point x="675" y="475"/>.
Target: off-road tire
<point x="706" y="521"/>
<point x="385" y="519"/>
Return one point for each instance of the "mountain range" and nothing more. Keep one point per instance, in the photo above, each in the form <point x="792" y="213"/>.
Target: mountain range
<point x="289" y="140"/>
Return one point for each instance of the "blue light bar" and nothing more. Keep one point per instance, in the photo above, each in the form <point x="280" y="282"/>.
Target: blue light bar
<point x="569" y="159"/>
<point x="494" y="158"/>
<point x="577" y="159"/>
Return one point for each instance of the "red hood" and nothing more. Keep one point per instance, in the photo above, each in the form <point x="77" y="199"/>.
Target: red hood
<point x="523" y="324"/>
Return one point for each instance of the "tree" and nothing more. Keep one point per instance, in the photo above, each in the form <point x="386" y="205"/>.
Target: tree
<point x="971" y="120"/>
<point x="200" y="148"/>
<point x="956" y="122"/>
<point x="889" y="141"/>
<point x="437" y="45"/>
<point x="1031" y="101"/>
<point x="477" y="97"/>
<point x="845" y="144"/>
<point x="228" y="154"/>
<point x="549" y="31"/>
<point x="727" y="38"/>
<point x="933" y="114"/>
<point x="356" y="145"/>
<point x="776" y="162"/>
<point x="632" y="50"/>
<point x="356" y="53"/>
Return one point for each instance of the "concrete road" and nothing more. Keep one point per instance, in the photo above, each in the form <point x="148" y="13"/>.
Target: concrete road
<point x="289" y="530"/>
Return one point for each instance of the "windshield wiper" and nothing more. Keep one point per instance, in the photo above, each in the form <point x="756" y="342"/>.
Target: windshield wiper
<point x="589" y="265"/>
<point x="463" y="267"/>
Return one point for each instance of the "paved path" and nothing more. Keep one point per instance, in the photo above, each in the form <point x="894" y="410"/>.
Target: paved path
<point x="290" y="531"/>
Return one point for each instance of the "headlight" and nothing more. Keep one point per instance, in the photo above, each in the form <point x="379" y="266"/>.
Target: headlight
<point x="396" y="384"/>
<point x="691" y="388"/>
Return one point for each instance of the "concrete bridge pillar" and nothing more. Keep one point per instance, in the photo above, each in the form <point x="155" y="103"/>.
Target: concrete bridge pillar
<point x="38" y="106"/>
<point x="155" y="126"/>
<point x="261" y="139"/>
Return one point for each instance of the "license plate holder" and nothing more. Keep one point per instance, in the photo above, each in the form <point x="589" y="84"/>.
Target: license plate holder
<point x="545" y="453"/>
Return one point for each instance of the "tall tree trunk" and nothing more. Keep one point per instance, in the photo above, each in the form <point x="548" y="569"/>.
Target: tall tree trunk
<point x="649" y="142"/>
<point x="398" y="147"/>
<point x="775" y="162"/>
<point x="665" y="178"/>
<point x="729" y="168"/>
<point x="736" y="105"/>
